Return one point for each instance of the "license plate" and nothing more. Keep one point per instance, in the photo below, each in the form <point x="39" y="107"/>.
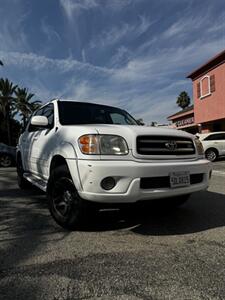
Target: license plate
<point x="179" y="179"/>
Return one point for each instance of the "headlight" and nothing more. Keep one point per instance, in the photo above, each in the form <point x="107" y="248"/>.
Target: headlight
<point x="199" y="146"/>
<point x="103" y="144"/>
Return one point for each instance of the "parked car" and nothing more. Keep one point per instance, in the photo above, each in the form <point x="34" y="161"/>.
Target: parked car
<point x="80" y="153"/>
<point x="213" y="144"/>
<point x="7" y="155"/>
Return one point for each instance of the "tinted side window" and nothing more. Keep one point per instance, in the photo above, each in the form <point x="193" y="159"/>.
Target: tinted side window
<point x="215" y="137"/>
<point x="48" y="111"/>
<point x="117" y="118"/>
<point x="221" y="137"/>
<point x="39" y="112"/>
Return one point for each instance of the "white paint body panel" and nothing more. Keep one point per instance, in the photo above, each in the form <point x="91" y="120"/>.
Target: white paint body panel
<point x="128" y="174"/>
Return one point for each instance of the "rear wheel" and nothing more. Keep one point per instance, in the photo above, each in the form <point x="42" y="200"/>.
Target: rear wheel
<point x="211" y="154"/>
<point x="65" y="205"/>
<point x="6" y="160"/>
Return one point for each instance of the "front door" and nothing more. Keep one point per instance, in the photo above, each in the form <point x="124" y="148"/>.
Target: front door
<point x="40" y="143"/>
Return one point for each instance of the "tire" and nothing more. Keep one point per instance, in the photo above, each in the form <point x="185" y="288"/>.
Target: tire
<point x="65" y="205"/>
<point x="6" y="160"/>
<point x="22" y="182"/>
<point x="211" y="154"/>
<point x="178" y="201"/>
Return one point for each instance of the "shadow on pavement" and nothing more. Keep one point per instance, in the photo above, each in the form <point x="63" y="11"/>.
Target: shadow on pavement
<point x="25" y="224"/>
<point x="205" y="210"/>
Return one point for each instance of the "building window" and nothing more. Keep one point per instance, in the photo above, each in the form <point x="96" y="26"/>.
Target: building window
<point x="206" y="86"/>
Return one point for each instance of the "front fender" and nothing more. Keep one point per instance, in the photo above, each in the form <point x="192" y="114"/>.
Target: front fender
<point x="68" y="152"/>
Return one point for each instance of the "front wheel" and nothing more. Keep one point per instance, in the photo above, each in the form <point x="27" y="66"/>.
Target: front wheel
<point x="65" y="205"/>
<point x="211" y="154"/>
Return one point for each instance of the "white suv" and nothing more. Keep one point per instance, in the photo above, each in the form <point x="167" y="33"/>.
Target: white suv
<point x="83" y="152"/>
<point x="213" y="144"/>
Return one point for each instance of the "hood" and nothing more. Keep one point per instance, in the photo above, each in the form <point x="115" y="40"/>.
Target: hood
<point x="130" y="133"/>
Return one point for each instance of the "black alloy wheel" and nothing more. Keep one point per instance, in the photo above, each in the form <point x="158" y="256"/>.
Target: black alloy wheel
<point x="65" y="205"/>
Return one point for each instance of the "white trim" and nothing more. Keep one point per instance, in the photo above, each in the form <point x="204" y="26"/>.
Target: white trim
<point x="209" y="88"/>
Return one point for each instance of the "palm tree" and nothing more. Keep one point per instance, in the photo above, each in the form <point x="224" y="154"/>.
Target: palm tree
<point x="183" y="100"/>
<point x="35" y="105"/>
<point x="7" y="89"/>
<point x="23" y="104"/>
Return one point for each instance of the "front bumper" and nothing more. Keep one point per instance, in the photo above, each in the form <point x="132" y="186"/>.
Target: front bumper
<point x="128" y="174"/>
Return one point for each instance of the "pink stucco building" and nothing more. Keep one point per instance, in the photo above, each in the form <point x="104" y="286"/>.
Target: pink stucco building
<point x="209" y="94"/>
<point x="208" y="112"/>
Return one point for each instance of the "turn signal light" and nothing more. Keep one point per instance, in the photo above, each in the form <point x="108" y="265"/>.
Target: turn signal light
<point x="89" y="144"/>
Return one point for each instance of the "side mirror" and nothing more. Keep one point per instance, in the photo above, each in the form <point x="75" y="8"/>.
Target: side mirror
<point x="140" y="122"/>
<point x="40" y="121"/>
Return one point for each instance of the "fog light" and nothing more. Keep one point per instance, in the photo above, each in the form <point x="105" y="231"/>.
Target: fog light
<point x="108" y="183"/>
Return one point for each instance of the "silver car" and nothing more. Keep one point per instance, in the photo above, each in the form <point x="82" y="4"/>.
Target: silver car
<point x="213" y="144"/>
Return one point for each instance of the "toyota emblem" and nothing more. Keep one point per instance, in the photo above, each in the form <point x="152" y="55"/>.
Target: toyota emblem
<point x="171" y="145"/>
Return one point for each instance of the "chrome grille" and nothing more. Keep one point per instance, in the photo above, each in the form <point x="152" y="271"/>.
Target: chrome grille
<point x="164" y="145"/>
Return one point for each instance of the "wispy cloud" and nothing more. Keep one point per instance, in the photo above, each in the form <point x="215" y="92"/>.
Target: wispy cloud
<point x="49" y="31"/>
<point x="76" y="6"/>
<point x="83" y="54"/>
<point x="145" y="86"/>
<point x="12" y="33"/>
<point x="130" y="53"/>
<point x="167" y="62"/>
<point x="121" y="57"/>
<point x="38" y="62"/>
<point x="73" y="7"/>
<point x="123" y="31"/>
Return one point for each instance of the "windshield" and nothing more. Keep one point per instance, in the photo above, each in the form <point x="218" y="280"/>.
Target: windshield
<point x="75" y="113"/>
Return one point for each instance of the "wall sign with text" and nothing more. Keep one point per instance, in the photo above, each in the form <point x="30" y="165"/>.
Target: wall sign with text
<point x="184" y="122"/>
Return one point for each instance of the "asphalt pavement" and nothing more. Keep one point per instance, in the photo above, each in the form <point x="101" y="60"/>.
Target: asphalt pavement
<point x="146" y="252"/>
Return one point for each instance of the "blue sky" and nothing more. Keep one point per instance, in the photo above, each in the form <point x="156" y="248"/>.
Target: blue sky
<point x="134" y="54"/>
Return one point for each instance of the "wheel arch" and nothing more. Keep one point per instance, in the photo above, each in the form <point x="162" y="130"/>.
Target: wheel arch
<point x="19" y="155"/>
<point x="59" y="160"/>
<point x="214" y="149"/>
